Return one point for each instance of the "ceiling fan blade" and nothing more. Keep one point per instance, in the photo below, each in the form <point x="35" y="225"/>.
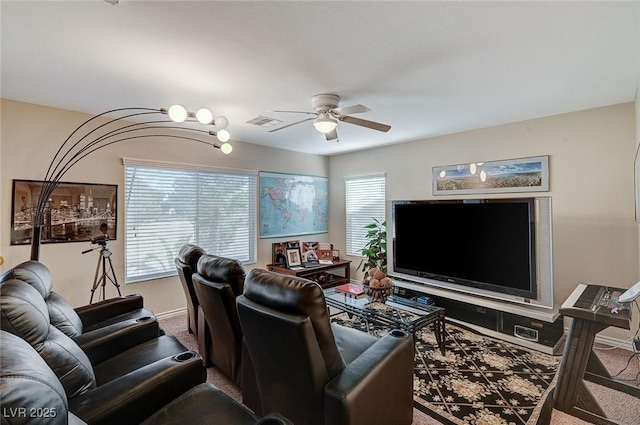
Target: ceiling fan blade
<point x="289" y="125"/>
<point x="297" y="112"/>
<point x="353" y="109"/>
<point x="332" y="135"/>
<point x="365" y="123"/>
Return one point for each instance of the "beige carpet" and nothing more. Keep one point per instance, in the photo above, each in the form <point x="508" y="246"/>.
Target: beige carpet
<point x="618" y="406"/>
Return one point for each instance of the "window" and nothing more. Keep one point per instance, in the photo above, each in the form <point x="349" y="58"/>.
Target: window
<point x="365" y="200"/>
<point x="167" y="206"/>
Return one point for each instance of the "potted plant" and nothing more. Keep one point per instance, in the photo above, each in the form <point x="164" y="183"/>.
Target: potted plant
<point x="375" y="250"/>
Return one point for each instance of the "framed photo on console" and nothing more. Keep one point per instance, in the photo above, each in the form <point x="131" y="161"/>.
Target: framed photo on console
<point x="293" y="257"/>
<point x="278" y="250"/>
<point x="325" y="256"/>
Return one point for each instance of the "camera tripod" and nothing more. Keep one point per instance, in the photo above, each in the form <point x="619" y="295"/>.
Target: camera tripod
<point x="107" y="272"/>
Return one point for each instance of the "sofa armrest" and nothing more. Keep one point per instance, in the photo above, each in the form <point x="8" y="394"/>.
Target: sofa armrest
<point x="137" y="395"/>
<point x="376" y="387"/>
<point x="99" y="312"/>
<point x="103" y="343"/>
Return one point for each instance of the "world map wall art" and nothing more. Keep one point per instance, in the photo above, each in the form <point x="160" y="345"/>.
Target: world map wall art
<point x="293" y="204"/>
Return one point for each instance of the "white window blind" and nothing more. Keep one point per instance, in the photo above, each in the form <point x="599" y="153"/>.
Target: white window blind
<point x="168" y="206"/>
<point x="365" y="200"/>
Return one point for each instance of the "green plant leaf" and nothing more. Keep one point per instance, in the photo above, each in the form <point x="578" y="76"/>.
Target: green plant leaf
<point x="375" y="250"/>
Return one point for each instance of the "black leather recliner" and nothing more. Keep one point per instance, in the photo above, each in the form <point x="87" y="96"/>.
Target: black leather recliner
<point x="186" y="265"/>
<point x="24" y="313"/>
<point x="32" y="394"/>
<point x="316" y="373"/>
<point x="206" y="405"/>
<point x="102" y="329"/>
<point x="217" y="284"/>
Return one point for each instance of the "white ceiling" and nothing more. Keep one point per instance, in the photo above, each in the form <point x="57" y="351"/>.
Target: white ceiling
<point x="425" y="68"/>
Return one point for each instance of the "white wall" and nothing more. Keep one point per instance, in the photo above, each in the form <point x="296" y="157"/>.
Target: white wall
<point x="591" y="183"/>
<point x="31" y="134"/>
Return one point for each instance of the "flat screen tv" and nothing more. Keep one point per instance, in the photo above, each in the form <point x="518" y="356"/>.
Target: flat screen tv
<point x="488" y="246"/>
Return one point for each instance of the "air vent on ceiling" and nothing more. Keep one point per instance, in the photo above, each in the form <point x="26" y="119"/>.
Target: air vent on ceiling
<point x="266" y="122"/>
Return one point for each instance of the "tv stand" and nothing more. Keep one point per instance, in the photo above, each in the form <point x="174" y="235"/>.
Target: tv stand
<point x="535" y="328"/>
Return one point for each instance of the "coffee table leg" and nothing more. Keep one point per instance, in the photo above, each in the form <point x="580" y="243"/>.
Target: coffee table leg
<point x="440" y="332"/>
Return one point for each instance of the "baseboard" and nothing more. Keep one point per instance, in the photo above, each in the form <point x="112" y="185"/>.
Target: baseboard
<point x="171" y="313"/>
<point x="613" y="342"/>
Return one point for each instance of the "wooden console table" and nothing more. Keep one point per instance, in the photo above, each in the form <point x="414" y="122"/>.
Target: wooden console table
<point x="327" y="275"/>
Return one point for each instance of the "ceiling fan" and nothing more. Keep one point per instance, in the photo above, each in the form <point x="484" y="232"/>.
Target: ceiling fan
<point x="327" y="114"/>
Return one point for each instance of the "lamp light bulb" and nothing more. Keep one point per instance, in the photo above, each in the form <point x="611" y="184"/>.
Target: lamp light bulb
<point x="325" y="124"/>
<point x="177" y="113"/>
<point x="221" y="122"/>
<point x="226" y="148"/>
<point x="204" y="116"/>
<point x="223" y="135"/>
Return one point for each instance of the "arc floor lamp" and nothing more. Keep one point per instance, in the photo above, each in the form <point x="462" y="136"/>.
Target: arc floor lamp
<point x="122" y="125"/>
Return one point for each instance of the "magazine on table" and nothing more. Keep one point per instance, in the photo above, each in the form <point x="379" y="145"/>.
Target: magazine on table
<point x="351" y="289"/>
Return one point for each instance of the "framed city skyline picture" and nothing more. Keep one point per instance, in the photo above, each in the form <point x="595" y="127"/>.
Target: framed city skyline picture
<point x="76" y="212"/>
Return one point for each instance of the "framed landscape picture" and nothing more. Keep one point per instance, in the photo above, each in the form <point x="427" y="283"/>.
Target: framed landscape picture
<point x="75" y="212"/>
<point x="512" y="175"/>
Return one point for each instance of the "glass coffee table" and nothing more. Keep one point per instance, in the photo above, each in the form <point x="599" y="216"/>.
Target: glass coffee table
<point x="396" y="312"/>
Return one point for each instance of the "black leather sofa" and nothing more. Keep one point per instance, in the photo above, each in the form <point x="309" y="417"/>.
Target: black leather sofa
<point x="24" y="313"/>
<point x="102" y="329"/>
<point x="46" y="377"/>
<point x="32" y="394"/>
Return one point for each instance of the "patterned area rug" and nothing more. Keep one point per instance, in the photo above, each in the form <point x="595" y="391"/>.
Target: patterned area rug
<point x="480" y="380"/>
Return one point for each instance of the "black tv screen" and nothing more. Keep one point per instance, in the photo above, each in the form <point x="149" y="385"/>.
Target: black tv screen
<point x="487" y="244"/>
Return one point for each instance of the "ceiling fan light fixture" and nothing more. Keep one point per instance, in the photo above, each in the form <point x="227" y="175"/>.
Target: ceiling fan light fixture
<point x="325" y="124"/>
